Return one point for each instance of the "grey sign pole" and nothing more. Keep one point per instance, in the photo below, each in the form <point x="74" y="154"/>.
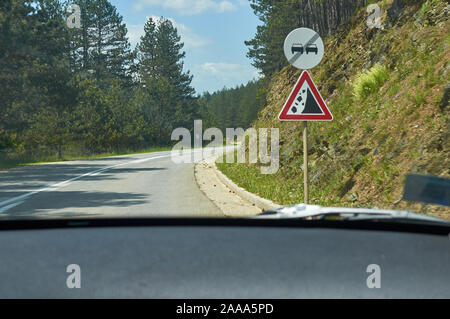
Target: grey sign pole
<point x="305" y="161"/>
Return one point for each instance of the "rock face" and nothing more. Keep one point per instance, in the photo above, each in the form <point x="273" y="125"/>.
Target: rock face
<point x="446" y="98"/>
<point x="395" y="11"/>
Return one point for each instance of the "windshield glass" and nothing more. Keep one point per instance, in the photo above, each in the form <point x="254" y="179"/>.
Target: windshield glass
<point x="114" y="108"/>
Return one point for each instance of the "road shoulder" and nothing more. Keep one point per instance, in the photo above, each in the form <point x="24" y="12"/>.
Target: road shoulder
<point x="231" y="199"/>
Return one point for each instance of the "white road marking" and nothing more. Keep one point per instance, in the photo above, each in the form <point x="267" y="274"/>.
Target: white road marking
<point x="12" y="202"/>
<point x="5" y="208"/>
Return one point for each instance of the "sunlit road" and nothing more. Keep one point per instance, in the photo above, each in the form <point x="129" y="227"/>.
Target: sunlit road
<point x="143" y="185"/>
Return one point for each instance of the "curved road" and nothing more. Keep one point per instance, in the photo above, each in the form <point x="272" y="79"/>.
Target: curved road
<point x="141" y="185"/>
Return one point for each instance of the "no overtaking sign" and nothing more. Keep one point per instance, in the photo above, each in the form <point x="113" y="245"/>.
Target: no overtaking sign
<point x="303" y="48"/>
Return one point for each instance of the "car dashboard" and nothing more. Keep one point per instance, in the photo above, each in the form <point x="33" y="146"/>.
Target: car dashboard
<point x="222" y="261"/>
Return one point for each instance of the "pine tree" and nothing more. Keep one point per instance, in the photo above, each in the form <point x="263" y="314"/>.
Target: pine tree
<point x="146" y="51"/>
<point x="50" y="124"/>
<point x="169" y="58"/>
<point x="170" y="98"/>
<point x="34" y="66"/>
<point x="101" y="45"/>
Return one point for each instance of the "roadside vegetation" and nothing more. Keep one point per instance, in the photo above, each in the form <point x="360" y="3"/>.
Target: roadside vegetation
<point x="69" y="93"/>
<point x="388" y="91"/>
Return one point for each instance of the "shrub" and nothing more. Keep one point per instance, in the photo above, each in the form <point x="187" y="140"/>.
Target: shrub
<point x="370" y="81"/>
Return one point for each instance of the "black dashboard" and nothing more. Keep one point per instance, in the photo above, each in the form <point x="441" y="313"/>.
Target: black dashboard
<point x="198" y="261"/>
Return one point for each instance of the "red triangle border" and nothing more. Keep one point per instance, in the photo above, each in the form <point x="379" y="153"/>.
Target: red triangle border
<point x="326" y="116"/>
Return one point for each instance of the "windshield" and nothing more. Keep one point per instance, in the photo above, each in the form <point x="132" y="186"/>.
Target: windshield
<point x="114" y="108"/>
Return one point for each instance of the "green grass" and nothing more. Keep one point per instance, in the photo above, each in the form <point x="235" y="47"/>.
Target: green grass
<point x="370" y="81"/>
<point x="419" y="99"/>
<point x="427" y="6"/>
<point x="284" y="187"/>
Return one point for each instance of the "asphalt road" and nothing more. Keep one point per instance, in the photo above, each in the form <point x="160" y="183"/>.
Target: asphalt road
<point x="143" y="185"/>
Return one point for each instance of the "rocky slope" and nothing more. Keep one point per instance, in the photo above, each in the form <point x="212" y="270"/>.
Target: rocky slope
<point x="388" y="90"/>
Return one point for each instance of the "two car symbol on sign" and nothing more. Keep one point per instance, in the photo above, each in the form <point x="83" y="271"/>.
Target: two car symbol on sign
<point x="310" y="48"/>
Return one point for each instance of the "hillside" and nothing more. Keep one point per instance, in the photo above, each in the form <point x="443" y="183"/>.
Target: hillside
<point x="388" y="91"/>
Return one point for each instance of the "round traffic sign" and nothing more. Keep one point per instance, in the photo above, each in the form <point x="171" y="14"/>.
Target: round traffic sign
<point x="303" y="48"/>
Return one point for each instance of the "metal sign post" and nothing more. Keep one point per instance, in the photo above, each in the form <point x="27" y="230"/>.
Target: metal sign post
<point x="305" y="161"/>
<point x="304" y="49"/>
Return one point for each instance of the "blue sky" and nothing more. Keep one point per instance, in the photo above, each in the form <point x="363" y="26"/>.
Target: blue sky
<point x="213" y="31"/>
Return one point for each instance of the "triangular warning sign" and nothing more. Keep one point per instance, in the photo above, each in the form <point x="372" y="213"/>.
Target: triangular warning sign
<point x="305" y="103"/>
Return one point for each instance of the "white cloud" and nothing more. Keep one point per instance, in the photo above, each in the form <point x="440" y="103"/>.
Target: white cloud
<point x="135" y="31"/>
<point x="244" y="3"/>
<point x="189" y="37"/>
<point x="216" y="75"/>
<point x="229" y="70"/>
<point x="188" y="7"/>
